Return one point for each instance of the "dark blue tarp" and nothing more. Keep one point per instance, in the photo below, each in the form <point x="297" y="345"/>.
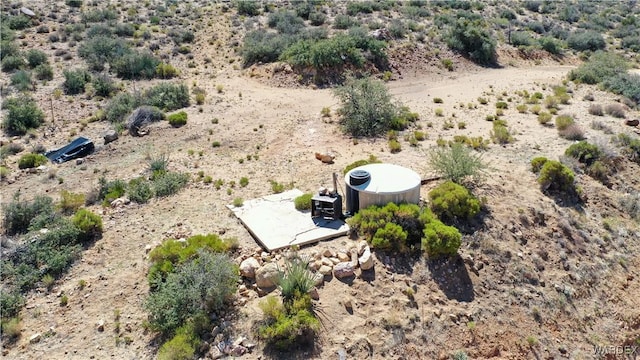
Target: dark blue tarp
<point x="78" y="148"/>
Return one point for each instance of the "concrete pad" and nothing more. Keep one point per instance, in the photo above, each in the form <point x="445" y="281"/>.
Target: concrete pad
<point x="275" y="223"/>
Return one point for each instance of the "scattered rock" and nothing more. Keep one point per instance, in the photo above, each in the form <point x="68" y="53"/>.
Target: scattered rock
<point x="79" y="161"/>
<point x="266" y="275"/>
<point x="335" y="261"/>
<point x="343" y="270"/>
<point x="325" y="270"/>
<point x="100" y="325"/>
<point x="326" y="262"/>
<point x="110" y="136"/>
<point x="633" y="122"/>
<point x="35" y="338"/>
<point x="366" y="259"/>
<point x="329" y="253"/>
<point x="248" y="268"/>
<point x="343" y="257"/>
<point x="121" y="201"/>
<point x="361" y="246"/>
<point x="318" y="279"/>
<point x="313" y="293"/>
<point x="148" y="248"/>
<point x="27" y="11"/>
<point x="348" y="305"/>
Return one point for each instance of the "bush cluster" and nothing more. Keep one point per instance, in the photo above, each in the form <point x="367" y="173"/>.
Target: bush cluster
<point x="452" y="202"/>
<point x="472" y="39"/>
<point x="165" y="96"/>
<point x="553" y="176"/>
<point x="23" y="115"/>
<point x="31" y="160"/>
<point x="75" y="81"/>
<point x="178" y="119"/>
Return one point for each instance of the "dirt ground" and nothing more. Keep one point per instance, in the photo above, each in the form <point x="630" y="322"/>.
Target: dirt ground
<point x="488" y="313"/>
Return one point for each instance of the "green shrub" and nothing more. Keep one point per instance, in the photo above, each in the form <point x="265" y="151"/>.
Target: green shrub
<point x="70" y="202"/>
<point x="21" y="80"/>
<point x="600" y="66"/>
<point x="196" y="287"/>
<point x="139" y="190"/>
<point x="168" y="96"/>
<point x="99" y="15"/>
<point x="121" y="106"/>
<point x="521" y="38"/>
<point x="89" y="224"/>
<point x="36" y="57"/>
<point x="17" y="22"/>
<point x="169" y="183"/>
<point x="554" y="176"/>
<point x="110" y="190"/>
<point x="303" y="202"/>
<point x="177" y="119"/>
<point x="500" y="134"/>
<point x="394" y="146"/>
<point x="471" y="38"/>
<point x="391" y="236"/>
<point x="295" y="279"/>
<point x="624" y="84"/>
<point x="537" y="164"/>
<point x="11" y="328"/>
<point x="166" y="71"/>
<point x="23" y="114"/>
<point x="18" y="215"/>
<point x="136" y="65"/>
<point x="247" y="7"/>
<point x="179" y="347"/>
<point x="631" y="146"/>
<point x="440" y="239"/>
<point x="75" y="81"/>
<point x="550" y="45"/>
<point x="544" y="118"/>
<point x="502" y="105"/>
<point x="10" y="304"/>
<point x="453" y="202"/>
<point x="366" y="107"/>
<point x="31" y="160"/>
<point x="103" y="85"/>
<point x="102" y="49"/>
<point x="343" y="22"/>
<point x="563" y="122"/>
<point x="12" y="62"/>
<point x="43" y="72"/>
<point x="263" y="46"/>
<point x="456" y="163"/>
<point x="372" y="160"/>
<point x="586" y="40"/>
<point x="289" y="326"/>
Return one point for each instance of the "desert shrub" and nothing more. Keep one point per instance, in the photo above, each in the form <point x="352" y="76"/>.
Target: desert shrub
<point x="167" y="96"/>
<point x="70" y="202"/>
<point x="371" y="160"/>
<point x="290" y="325"/>
<point x="521" y="38"/>
<point x="317" y="18"/>
<point x="564" y="121"/>
<point x="120" y="106"/>
<point x="394" y="146"/>
<point x="624" y="84"/>
<point x="17" y="22"/>
<point x="471" y="38"/>
<point x="43" y="72"/>
<point x="35" y="57"/>
<point x="586" y="40"/>
<point x="551" y="45"/>
<point x="500" y="134"/>
<point x="522" y="108"/>
<point x="11" y="328"/>
<point x="136" y="65"/>
<point x="196" y="287"/>
<point x="23" y="114"/>
<point x="453" y="202"/>
<point x="124" y="30"/>
<point x="89" y="224"/>
<point x="391" y="236"/>
<point x="74" y="3"/>
<point x="585" y="152"/>
<point x="630" y="203"/>
<point x="600" y="66"/>
<point x="286" y="22"/>
<point x="100" y="50"/>
<point x="572" y="132"/>
<point x="139" y="190"/>
<point x="11" y="148"/>
<point x="440" y="239"/>
<point x="110" y="190"/>
<point x="502" y="105"/>
<point x="75" y="81"/>
<point x="303" y="202"/>
<point x="247" y="7"/>
<point x="615" y="110"/>
<point x="537" y="163"/>
<point x="18" y="215"/>
<point x="166" y="71"/>
<point x="596" y="109"/>
<point x="544" y="117"/>
<point x="31" y="160"/>
<point x="103" y="85"/>
<point x="178" y="119"/>
<point x="343" y="22"/>
<point x="263" y="46"/>
<point x="10" y="304"/>
<point x="295" y="279"/>
<point x="555" y="176"/>
<point x="366" y="107"/>
<point x="179" y="347"/>
<point x="631" y="146"/>
<point x="21" y="80"/>
<point x="169" y="183"/>
<point x="99" y="15"/>
<point x="12" y="63"/>
<point x="456" y="163"/>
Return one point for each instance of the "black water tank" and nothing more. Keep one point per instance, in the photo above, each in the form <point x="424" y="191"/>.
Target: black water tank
<point x="356" y="177"/>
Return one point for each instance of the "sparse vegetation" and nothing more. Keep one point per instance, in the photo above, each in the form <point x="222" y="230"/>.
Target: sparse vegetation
<point x="303" y="202"/>
<point x="456" y="163"/>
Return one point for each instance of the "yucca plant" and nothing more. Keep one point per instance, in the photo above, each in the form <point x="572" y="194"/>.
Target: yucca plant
<point x="295" y="279"/>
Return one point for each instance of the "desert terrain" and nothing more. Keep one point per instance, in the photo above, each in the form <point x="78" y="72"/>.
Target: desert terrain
<point x="537" y="279"/>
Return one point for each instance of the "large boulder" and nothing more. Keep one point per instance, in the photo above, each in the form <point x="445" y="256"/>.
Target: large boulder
<point x="248" y="267"/>
<point x="110" y="136"/>
<point x="267" y="275"/>
<point x="366" y="260"/>
<point x="343" y="270"/>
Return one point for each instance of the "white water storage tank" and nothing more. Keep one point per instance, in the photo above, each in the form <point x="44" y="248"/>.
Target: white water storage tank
<point x="379" y="184"/>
